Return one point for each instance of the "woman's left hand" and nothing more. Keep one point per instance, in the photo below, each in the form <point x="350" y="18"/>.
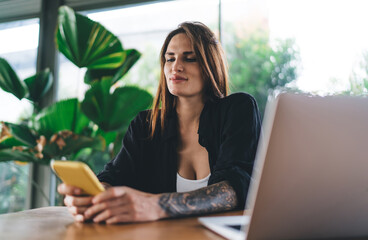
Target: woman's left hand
<point x="124" y="204"/>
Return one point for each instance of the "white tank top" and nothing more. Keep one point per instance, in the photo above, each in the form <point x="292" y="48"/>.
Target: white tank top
<point x="186" y="185"/>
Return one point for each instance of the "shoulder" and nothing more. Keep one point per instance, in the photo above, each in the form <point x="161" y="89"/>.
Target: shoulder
<point x="238" y="107"/>
<point x="240" y="97"/>
<point x="238" y="100"/>
<point x="141" y="121"/>
<point x="143" y="115"/>
<point x="236" y="113"/>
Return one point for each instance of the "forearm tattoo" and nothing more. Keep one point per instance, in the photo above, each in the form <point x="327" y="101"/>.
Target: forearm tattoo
<point x="214" y="198"/>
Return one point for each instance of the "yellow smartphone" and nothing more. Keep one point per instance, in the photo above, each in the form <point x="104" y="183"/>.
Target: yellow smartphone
<point x="77" y="174"/>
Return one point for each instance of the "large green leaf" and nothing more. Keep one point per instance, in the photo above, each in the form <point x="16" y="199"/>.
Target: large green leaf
<point x="63" y="115"/>
<point x="109" y="137"/>
<point x="87" y="43"/>
<point x="73" y="143"/>
<point x="114" y="111"/>
<point x="38" y="85"/>
<point x="94" y="75"/>
<point x="131" y="56"/>
<point x="9" y="142"/>
<point x="21" y="133"/>
<point x="16" y="155"/>
<point x="9" y="81"/>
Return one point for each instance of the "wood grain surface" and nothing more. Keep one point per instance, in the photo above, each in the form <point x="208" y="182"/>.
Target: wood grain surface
<point x="56" y="223"/>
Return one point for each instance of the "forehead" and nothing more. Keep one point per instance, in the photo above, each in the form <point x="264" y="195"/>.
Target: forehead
<point x="180" y="43"/>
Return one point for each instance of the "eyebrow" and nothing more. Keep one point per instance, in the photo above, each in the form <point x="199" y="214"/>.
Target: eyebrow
<point x="184" y="53"/>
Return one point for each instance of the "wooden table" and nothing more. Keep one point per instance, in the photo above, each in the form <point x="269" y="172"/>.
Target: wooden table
<point x="55" y="223"/>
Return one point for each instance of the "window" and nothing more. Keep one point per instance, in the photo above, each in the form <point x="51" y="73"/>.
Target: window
<point x="318" y="47"/>
<point x="18" y="45"/>
<point x="331" y="38"/>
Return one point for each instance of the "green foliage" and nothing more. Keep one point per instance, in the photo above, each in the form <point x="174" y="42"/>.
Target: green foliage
<point x="257" y="67"/>
<point x="17" y="155"/>
<point x="69" y="128"/>
<point x="38" y="85"/>
<point x="131" y="56"/>
<point x="62" y="115"/>
<point x="9" y="80"/>
<point x="72" y="143"/>
<point x="21" y="133"/>
<point x="114" y="111"/>
<point x="110" y="108"/>
<point x="87" y="43"/>
<point x="146" y="72"/>
<point x="33" y="87"/>
<point x="9" y="142"/>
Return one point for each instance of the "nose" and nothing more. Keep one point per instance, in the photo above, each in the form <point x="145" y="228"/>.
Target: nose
<point x="177" y="66"/>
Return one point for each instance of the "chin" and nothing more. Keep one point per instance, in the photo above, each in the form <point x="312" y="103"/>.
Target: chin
<point x="182" y="93"/>
<point x="176" y="92"/>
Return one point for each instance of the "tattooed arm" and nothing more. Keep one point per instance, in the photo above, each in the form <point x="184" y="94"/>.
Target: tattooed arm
<point x="125" y="204"/>
<point x="214" y="198"/>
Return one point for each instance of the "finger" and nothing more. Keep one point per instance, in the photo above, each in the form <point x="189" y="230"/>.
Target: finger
<point x="79" y="218"/>
<point x="111" y="212"/>
<point x="99" y="207"/>
<point x="77" y="210"/>
<point x="110" y="193"/>
<point x="77" y="201"/>
<point x="123" y="217"/>
<point x="64" y="189"/>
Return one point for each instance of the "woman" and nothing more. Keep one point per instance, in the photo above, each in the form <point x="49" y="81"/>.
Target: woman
<point x="194" y="155"/>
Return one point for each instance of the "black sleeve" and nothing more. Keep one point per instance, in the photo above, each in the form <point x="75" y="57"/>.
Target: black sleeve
<point x="123" y="168"/>
<point x="239" y="139"/>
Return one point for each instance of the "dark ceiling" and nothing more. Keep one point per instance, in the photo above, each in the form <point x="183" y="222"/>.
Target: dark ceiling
<point x="11" y="10"/>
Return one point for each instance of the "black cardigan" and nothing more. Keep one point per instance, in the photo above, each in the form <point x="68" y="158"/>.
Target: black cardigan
<point x="229" y="129"/>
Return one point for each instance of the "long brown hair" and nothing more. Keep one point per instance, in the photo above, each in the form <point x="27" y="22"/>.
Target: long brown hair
<point x="211" y="59"/>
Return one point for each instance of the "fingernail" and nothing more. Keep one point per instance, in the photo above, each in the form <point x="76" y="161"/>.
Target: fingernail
<point x="79" y="218"/>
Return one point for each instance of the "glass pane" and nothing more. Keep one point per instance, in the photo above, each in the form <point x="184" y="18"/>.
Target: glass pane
<point x="331" y="39"/>
<point x="309" y="46"/>
<point x="18" y="45"/>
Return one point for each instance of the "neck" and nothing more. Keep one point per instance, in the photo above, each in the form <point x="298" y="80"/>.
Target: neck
<point x="189" y="110"/>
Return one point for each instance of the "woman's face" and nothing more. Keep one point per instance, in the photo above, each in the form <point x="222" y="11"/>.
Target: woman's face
<point x="182" y="72"/>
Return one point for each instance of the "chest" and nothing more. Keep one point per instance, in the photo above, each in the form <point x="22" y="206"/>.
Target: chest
<point x="193" y="159"/>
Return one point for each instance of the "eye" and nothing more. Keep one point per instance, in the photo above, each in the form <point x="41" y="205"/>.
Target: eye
<point x="170" y="59"/>
<point x="191" y="59"/>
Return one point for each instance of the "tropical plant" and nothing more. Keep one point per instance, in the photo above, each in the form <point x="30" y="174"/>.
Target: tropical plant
<point x="257" y="67"/>
<point x="18" y="141"/>
<point x="32" y="88"/>
<point x="69" y="128"/>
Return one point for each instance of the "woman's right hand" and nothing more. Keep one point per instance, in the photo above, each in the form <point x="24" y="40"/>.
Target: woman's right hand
<point x="76" y="202"/>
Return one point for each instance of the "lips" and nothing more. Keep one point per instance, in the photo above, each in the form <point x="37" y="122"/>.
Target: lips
<point x="178" y="78"/>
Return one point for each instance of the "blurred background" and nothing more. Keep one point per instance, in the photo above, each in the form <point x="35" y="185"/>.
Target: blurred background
<point x="314" y="46"/>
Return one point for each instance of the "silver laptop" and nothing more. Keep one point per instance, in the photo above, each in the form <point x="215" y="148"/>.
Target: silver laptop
<point x="310" y="178"/>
